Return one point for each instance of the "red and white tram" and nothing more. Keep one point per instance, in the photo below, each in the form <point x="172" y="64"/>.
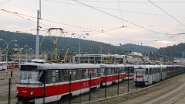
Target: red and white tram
<point x="145" y="75"/>
<point x="3" y="65"/>
<point x="45" y="82"/>
<point x="114" y="73"/>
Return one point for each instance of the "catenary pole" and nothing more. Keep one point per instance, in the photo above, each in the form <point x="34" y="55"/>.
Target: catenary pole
<point x="38" y="29"/>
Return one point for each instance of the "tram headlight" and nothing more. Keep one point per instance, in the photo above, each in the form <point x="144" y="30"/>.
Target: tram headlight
<point x="17" y="92"/>
<point x="31" y="93"/>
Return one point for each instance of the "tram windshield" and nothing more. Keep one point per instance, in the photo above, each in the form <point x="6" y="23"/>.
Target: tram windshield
<point x="29" y="74"/>
<point x="29" y="77"/>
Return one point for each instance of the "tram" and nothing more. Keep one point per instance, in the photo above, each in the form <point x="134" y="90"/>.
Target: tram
<point x="49" y="82"/>
<point x="45" y="82"/>
<point x="114" y="73"/>
<point x="3" y="65"/>
<point x="145" y="75"/>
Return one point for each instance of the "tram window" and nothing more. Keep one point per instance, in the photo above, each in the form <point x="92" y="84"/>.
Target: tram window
<point x="91" y="71"/>
<point x="131" y="69"/>
<point x="48" y="75"/>
<point x="146" y="72"/>
<point x="60" y="76"/>
<point x="127" y="70"/>
<point x="65" y="74"/>
<point x="109" y="71"/>
<point x="105" y="72"/>
<point x="116" y="70"/>
<point x="29" y="77"/>
<point x="153" y="71"/>
<point x="94" y="72"/>
<point x="122" y="70"/>
<point x="73" y="74"/>
<point x="78" y="74"/>
<point x="84" y="73"/>
<point x="112" y="70"/>
<point x="156" y="70"/>
<point x="99" y="71"/>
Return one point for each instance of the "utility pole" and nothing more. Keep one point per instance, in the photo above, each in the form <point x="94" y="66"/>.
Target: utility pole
<point x="101" y="54"/>
<point x="38" y="29"/>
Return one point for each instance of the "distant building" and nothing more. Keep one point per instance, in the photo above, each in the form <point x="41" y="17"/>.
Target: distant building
<point x="20" y="56"/>
<point x="135" y="58"/>
<point x="2" y="55"/>
<point x="180" y="61"/>
<point x="23" y="57"/>
<point x="99" y="58"/>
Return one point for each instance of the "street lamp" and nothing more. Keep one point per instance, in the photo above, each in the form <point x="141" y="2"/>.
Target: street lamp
<point x="7" y="45"/>
<point x="20" y="52"/>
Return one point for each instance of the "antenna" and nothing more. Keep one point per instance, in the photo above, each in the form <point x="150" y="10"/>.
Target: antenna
<point x="38" y="29"/>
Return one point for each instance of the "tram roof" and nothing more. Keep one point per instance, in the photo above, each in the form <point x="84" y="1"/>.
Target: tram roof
<point x="149" y="66"/>
<point x="155" y="66"/>
<point x="116" y="65"/>
<point x="47" y="66"/>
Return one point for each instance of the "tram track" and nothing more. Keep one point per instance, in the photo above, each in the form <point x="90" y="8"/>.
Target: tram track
<point x="164" y="93"/>
<point x="177" y="99"/>
<point x="172" y="97"/>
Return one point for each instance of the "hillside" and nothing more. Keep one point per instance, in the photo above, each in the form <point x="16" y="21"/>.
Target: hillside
<point x="86" y="46"/>
<point x="138" y="48"/>
<point x="175" y="51"/>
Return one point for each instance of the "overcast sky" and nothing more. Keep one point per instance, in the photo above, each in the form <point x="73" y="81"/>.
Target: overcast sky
<point x="143" y="22"/>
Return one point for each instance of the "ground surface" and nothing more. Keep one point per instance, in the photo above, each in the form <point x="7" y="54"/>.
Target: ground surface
<point x="171" y="91"/>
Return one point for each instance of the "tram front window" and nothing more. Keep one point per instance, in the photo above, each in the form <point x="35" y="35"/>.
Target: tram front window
<point x="29" y="77"/>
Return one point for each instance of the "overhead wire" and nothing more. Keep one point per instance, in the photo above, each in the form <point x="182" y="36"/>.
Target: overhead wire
<point x="75" y="26"/>
<point x="106" y="1"/>
<point x="23" y="16"/>
<point x="120" y="19"/>
<point x="130" y="22"/>
<point x="113" y="9"/>
<point x="5" y="1"/>
<point x="120" y="12"/>
<point x="100" y="31"/>
<point x="167" y="13"/>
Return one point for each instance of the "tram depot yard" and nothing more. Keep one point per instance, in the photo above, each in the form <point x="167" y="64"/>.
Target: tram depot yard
<point x="118" y="92"/>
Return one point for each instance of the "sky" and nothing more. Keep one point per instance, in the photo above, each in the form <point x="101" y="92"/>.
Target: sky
<point x="156" y="23"/>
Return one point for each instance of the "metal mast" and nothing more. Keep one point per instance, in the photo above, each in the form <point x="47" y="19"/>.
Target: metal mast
<point x="38" y="28"/>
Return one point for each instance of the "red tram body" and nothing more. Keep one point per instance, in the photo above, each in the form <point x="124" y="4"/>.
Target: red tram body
<point x="116" y="73"/>
<point x="49" y="82"/>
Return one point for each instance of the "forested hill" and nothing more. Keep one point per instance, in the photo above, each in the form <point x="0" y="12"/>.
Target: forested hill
<point x="87" y="46"/>
<point x="176" y="51"/>
<point x="138" y="48"/>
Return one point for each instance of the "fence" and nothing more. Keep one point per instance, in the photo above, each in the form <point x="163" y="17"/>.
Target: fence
<point x="8" y="80"/>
